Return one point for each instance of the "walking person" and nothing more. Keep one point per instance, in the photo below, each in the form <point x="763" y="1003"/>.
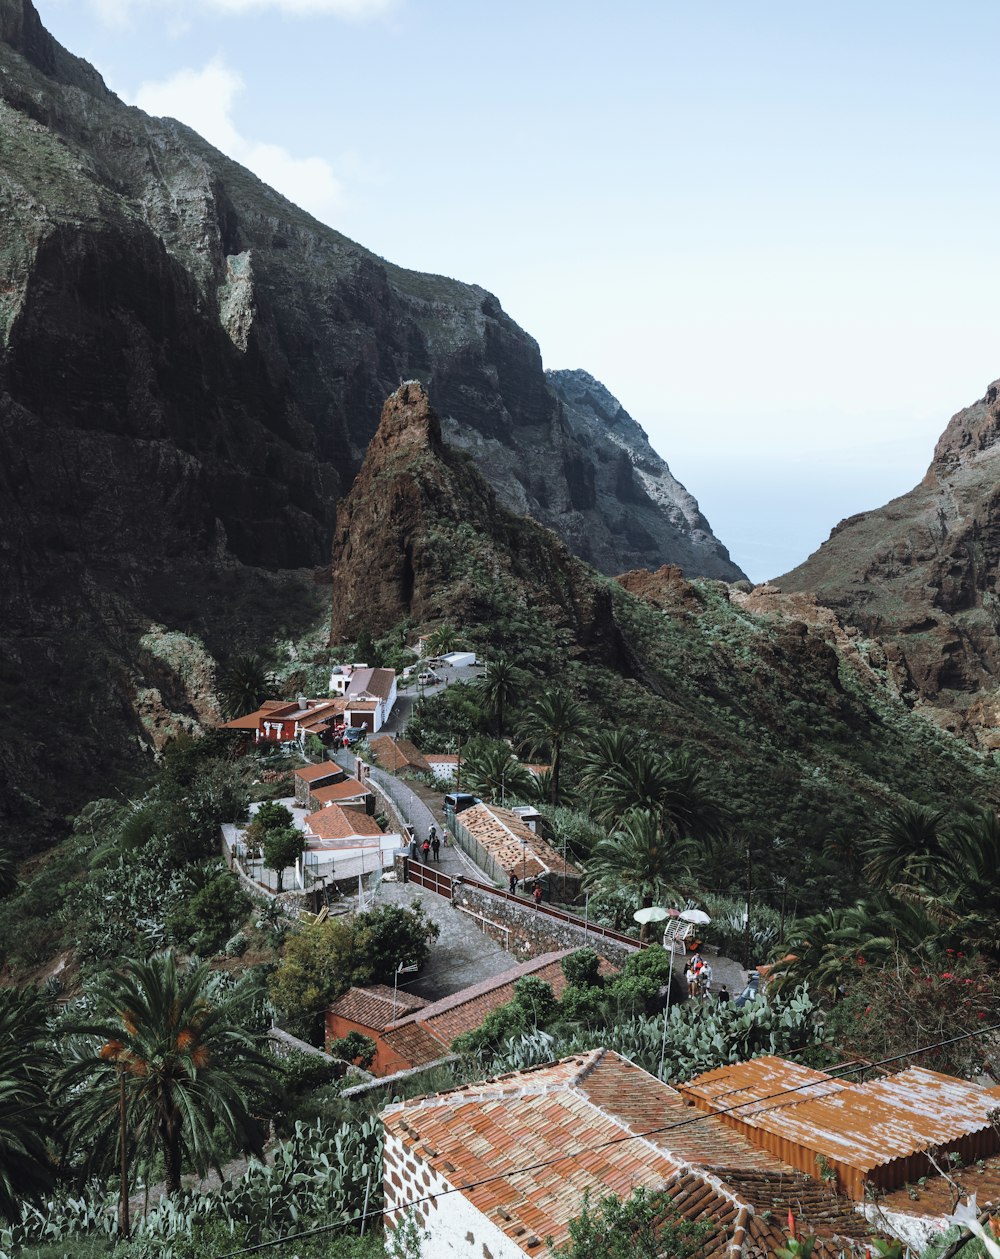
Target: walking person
<point x="512" y="882"/>
<point x="536" y="892"/>
<point x="425" y="849"/>
<point x="705" y="979"/>
<point x="435" y="845"/>
<point x="723" y="994"/>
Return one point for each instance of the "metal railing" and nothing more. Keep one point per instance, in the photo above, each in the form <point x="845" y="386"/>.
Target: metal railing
<point x="428" y="877"/>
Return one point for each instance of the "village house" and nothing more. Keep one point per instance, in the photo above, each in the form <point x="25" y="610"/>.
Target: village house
<point x="443" y="765"/>
<point x="593" y="1122"/>
<point x="501" y="841"/>
<point x="339" y="838"/>
<point x="287" y="721"/>
<point x="738" y="1160"/>
<point x="426" y="1035"/>
<point x="368" y="694"/>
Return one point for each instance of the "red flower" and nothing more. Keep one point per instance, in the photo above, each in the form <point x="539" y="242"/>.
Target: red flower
<point x="946" y="974"/>
<point x="791" y="1224"/>
<point x="981" y="1014"/>
<point x="861" y="960"/>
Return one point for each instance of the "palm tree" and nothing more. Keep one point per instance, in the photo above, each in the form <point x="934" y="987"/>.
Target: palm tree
<point x="26" y="1168"/>
<point x="639" y="856"/>
<point x="671" y="788"/>
<point x="552" y="721"/>
<point x="905" y="846"/>
<point x="499" y="687"/>
<point x="178" y="1064"/>
<point x="442" y="640"/>
<point x="243" y="685"/>
<point x="490" y="769"/>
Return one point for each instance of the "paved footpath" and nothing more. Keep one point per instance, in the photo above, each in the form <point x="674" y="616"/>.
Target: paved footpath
<point x="418" y="815"/>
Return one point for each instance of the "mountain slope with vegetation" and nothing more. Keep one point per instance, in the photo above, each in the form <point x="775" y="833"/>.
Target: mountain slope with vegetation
<point x="921" y="574"/>
<point x="190" y="371"/>
<point x="797" y="720"/>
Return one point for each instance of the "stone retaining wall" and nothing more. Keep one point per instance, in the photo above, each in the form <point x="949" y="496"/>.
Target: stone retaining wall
<point x="527" y="932"/>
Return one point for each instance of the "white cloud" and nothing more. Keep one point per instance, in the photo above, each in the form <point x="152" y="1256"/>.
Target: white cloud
<point x="204" y="100"/>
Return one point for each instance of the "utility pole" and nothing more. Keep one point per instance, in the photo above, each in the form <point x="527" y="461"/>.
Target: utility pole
<point x="123" y="1142"/>
<point x="746" y="927"/>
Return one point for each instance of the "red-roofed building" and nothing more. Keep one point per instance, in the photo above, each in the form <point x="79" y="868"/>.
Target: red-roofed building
<point x="427" y="1035"/>
<point x="344" y="790"/>
<point x="397" y="755"/>
<point x="283" y="721"/>
<point x="499" y="1166"/>
<point x="369" y="695"/>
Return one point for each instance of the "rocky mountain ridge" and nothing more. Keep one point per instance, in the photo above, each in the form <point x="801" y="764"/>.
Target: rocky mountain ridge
<point x="191" y="369"/>
<point x="921" y="574"/>
<point x="801" y="719"/>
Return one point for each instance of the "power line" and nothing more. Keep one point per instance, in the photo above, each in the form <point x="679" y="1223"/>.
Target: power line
<point x="601" y="1145"/>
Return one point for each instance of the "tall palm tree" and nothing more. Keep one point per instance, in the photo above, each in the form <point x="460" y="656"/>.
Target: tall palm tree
<point x="500" y="686"/>
<point x="672" y="788"/>
<point x="640" y="857"/>
<point x="906" y="844"/>
<point x="443" y="640"/>
<point x="490" y="769"/>
<point x="26" y="1169"/>
<point x="553" y="720"/>
<point x="243" y="685"/>
<point x="181" y="1065"/>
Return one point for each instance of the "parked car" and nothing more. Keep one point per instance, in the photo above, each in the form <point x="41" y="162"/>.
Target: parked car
<point x="354" y="734"/>
<point x="427" y="678"/>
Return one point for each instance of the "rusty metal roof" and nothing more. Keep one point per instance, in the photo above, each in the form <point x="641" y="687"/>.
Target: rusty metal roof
<point x="758" y="1085"/>
<point x="863" y="1126"/>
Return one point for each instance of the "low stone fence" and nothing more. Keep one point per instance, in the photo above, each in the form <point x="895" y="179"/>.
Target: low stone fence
<point x="372" y="1086"/>
<point x="284" y="1043"/>
<point x="526" y="932"/>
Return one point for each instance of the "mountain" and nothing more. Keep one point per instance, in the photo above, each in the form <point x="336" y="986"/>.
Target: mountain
<point x="797" y="718"/>
<point x="921" y="574"/>
<point x="191" y="369"/>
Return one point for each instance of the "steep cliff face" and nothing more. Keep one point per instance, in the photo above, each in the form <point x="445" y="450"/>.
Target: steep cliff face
<point x="921" y="573"/>
<point x="190" y="372"/>
<point x="632" y="489"/>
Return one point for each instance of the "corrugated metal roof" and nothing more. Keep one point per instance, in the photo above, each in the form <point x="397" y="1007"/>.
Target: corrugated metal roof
<point x="761" y="1084"/>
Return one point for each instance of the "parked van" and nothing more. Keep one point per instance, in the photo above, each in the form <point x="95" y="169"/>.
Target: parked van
<point x="427" y="678"/>
<point x="458" y="801"/>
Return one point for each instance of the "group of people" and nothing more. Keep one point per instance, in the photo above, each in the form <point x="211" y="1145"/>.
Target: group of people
<point x="698" y="977"/>
<point x="536" y="887"/>
<point x="431" y="845"/>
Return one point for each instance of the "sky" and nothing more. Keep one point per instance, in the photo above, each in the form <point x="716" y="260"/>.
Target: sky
<point x="769" y="228"/>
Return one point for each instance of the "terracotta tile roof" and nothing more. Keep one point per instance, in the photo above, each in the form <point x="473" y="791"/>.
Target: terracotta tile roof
<point x="501" y="832"/>
<point x="395" y="755"/>
<point x="317" y="773"/>
<point x="335" y="823"/>
<point x="380" y="683"/>
<point x="465" y="1010"/>
<point x="250" y="722"/>
<point x="375" y="1007"/>
<point x="349" y="789"/>
<point x="362" y="705"/>
<point x="414" y="1044"/>
<point x="570" y="1118"/>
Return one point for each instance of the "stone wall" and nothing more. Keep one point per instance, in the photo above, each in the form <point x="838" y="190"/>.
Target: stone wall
<point x="528" y="932"/>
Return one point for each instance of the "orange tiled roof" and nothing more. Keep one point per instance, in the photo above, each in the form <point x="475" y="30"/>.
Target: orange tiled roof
<point x="414" y="1043"/>
<point x="564" y="1129"/>
<point x="316" y="773"/>
<point x="463" y="1011"/>
<point x="397" y="754"/>
<point x="349" y="789"/>
<point x="334" y="822"/>
<point x="376" y="1007"/>
<point x="512" y="843"/>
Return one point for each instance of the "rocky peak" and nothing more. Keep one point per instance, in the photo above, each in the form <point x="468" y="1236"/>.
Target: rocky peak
<point x="22" y="29"/>
<point x="921" y="573"/>
<point x="408" y="424"/>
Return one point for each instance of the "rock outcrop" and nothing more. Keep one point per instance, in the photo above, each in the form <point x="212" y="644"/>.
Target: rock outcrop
<point x="423" y="537"/>
<point x="190" y="373"/>
<point x="921" y="574"/>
